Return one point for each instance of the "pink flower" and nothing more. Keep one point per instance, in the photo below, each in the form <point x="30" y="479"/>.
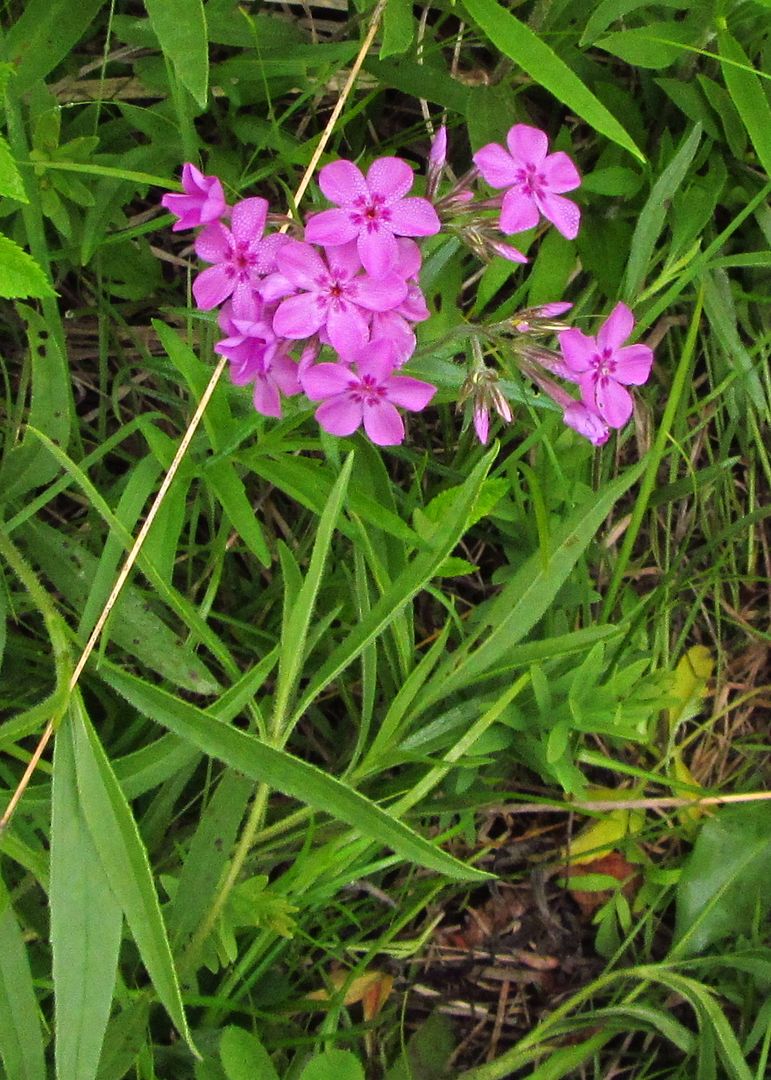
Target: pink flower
<point x="372" y="210"/>
<point x="202" y="203"/>
<point x="535" y="181"/>
<point x="239" y="254"/>
<point x="369" y="394"/>
<point x="603" y="368"/>
<point x="257" y="355"/>
<point x="586" y="423"/>
<point x="334" y="294"/>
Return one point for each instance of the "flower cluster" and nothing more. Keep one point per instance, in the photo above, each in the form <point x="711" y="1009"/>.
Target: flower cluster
<point x="327" y="308"/>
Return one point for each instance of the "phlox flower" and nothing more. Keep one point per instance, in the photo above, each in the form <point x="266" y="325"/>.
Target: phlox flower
<point x="333" y="294"/>
<point x="603" y="366"/>
<point x="371" y="210"/>
<point x="258" y="356"/>
<point x="203" y="200"/>
<point x="534" y="179"/>
<point x="240" y="255"/>
<point x="366" y="393"/>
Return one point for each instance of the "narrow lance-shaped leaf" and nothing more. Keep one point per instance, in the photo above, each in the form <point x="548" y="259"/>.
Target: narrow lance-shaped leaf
<point x="286" y="773"/>
<point x="21" y="1038"/>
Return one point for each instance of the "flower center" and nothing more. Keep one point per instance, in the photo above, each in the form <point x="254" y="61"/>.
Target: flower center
<point x="336" y="291"/>
<point x="370" y="214"/>
<point x="366" y="391"/>
<point x="241" y="261"/>
<point x="604" y="364"/>
<point x="530" y="180"/>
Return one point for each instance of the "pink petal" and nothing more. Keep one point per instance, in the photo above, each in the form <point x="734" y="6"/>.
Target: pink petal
<point x="616" y="328"/>
<point x="213" y="244"/>
<point x="330" y="227"/>
<point x="266" y="398"/>
<point x="409" y="262"/>
<point x="496" y="166"/>
<point x="518" y="212"/>
<point x="633" y="364"/>
<point x="326" y="380"/>
<point x="413" y="307"/>
<point x="342" y="182"/>
<point x="267" y="249"/>
<point x="275" y="287"/>
<point x="211" y="287"/>
<point x="392" y="326"/>
<point x="299" y="317"/>
<point x="347" y="329"/>
<point x="414" y="217"/>
<point x="285" y="374"/>
<point x="578" y="350"/>
<point x="412" y="394"/>
<point x="612" y="402"/>
<point x="382" y="294"/>
<point x="563" y="213"/>
<point x="586" y="423"/>
<point x="389" y="177"/>
<point x="193" y="180"/>
<point x="377" y="359"/>
<point x="560" y="173"/>
<point x="506" y="251"/>
<point x="344" y="258"/>
<point x="482" y="423"/>
<point x="383" y="424"/>
<point x="340" y="415"/>
<point x="247" y="220"/>
<point x="377" y="251"/>
<point x="301" y="264"/>
<point x="527" y="145"/>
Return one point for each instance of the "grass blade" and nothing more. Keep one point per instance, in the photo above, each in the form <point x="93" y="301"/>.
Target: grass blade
<point x="21" y="1037"/>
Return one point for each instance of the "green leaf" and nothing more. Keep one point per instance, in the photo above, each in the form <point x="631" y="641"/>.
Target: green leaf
<point x="21" y="1038"/>
<point x="398" y="28"/>
<point x="333" y="1065"/>
<point x="11" y="183"/>
<point x="20" y="275"/>
<point x="427" y="1053"/>
<point x="726" y="881"/>
<point x="286" y="773"/>
<point x="244" y="1057"/>
<point x="534" y="56"/>
<point x="748" y="96"/>
<point x="43" y="35"/>
<point x="125" y="863"/>
<point x="180" y="26"/>
<point x="654" y="214"/>
<point x="228" y="487"/>
<point x="655" y="45"/>
<point x="86" y="922"/>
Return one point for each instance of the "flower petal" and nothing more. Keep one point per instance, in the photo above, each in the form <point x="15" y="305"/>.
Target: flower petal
<point x="481" y="423"/>
<point x="392" y="326"/>
<point x="578" y="351"/>
<point x="383" y="294"/>
<point x="412" y="394"/>
<point x="344" y="259"/>
<point x="496" y="166"/>
<point x="616" y="328"/>
<point x="213" y="244"/>
<point x="247" y="220"/>
<point x="211" y="287"/>
<point x="633" y="364"/>
<point x="326" y="380"/>
<point x="266" y="398"/>
<point x="409" y="262"/>
<point x="518" y="212"/>
<point x="377" y="251"/>
<point x="347" y="329"/>
<point x="377" y="359"/>
<point x="414" y="217"/>
<point x="613" y="402"/>
<point x="560" y="173"/>
<point x="527" y="145"/>
<point x="285" y="374"/>
<point x="389" y="177"/>
<point x="342" y="182"/>
<point x="586" y="423"/>
<point x="299" y="317"/>
<point x="563" y="213"/>
<point x="339" y="415"/>
<point x="383" y="424"/>
<point x="330" y="227"/>
<point x="301" y="264"/>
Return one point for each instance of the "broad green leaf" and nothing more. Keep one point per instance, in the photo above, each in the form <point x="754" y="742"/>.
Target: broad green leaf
<point x="21" y="1037"/>
<point x="522" y="45"/>
<point x="285" y="773"/>
<point x="608" y="11"/>
<point x="655" y="45"/>
<point x="398" y="28"/>
<point x="244" y="1057"/>
<point x="333" y="1065"/>
<point x="180" y="26"/>
<point x="420" y="80"/>
<point x="654" y="214"/>
<point x="11" y="183"/>
<point x="748" y="95"/>
<point x="427" y="1052"/>
<point x="125" y="862"/>
<point x="726" y="881"/>
<point x="689" y="685"/>
<point x="86" y="922"/>
<point x="126" y="1035"/>
<point x="228" y="487"/>
<point x="20" y="275"/>
<point x="44" y="34"/>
